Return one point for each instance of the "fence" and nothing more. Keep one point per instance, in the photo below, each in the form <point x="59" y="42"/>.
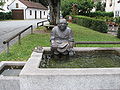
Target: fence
<point x="19" y="34"/>
<point x="40" y="23"/>
<point x="97" y="42"/>
<point x="19" y="37"/>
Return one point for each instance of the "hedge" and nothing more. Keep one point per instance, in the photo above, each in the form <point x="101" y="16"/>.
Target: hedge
<point x="5" y="16"/>
<point x="98" y="14"/>
<point x="95" y="24"/>
<point x="103" y="14"/>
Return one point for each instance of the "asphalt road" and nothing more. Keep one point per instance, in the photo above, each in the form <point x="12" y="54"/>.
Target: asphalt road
<point x="10" y="28"/>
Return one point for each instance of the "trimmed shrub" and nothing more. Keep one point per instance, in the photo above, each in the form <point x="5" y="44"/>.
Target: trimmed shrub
<point x="5" y="16"/>
<point x="95" y="24"/>
<point x="99" y="13"/>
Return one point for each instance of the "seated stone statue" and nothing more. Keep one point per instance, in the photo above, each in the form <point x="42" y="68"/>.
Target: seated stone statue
<point x="62" y="39"/>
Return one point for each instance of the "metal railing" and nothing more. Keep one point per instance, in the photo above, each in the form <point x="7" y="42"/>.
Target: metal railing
<point x="97" y="42"/>
<point x="19" y="37"/>
<point x="42" y="23"/>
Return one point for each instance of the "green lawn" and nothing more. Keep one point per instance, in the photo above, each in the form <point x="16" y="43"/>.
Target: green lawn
<point x="85" y="34"/>
<point x="23" y="52"/>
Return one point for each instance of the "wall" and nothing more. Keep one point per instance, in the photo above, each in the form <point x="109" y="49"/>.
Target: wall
<point x="10" y="82"/>
<point x="108" y="7"/>
<point x="28" y="16"/>
<point x="20" y="6"/>
<point x="114" y="8"/>
<point x="27" y="11"/>
<point x="33" y="77"/>
<point x="117" y="9"/>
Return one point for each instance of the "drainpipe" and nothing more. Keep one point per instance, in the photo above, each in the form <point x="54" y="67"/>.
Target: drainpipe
<point x="25" y="12"/>
<point x="114" y="7"/>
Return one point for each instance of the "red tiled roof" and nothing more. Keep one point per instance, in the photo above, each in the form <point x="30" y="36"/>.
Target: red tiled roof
<point x="30" y="4"/>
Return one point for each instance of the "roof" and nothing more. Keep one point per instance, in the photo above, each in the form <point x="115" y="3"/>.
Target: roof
<point x="30" y="4"/>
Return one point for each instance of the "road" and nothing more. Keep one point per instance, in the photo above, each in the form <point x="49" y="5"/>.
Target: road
<point x="10" y="28"/>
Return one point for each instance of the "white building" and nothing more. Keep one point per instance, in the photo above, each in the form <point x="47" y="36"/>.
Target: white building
<point x="5" y="6"/>
<point x="113" y="6"/>
<point x="27" y="10"/>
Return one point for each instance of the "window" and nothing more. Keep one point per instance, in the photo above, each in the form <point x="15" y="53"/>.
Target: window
<point x="117" y="13"/>
<point x="118" y="1"/>
<point x="30" y="12"/>
<point x="17" y="5"/>
<point x="44" y="12"/>
<point x="110" y="3"/>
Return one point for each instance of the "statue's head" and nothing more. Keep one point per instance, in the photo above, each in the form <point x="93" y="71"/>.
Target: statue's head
<point x="62" y="24"/>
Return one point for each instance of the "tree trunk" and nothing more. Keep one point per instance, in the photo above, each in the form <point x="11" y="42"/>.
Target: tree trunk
<point x="54" y="6"/>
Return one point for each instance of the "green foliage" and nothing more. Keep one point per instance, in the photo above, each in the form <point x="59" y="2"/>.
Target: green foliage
<point x="74" y="9"/>
<point x="100" y="6"/>
<point x="84" y="6"/>
<point x="66" y="7"/>
<point x="87" y="60"/>
<point x="117" y="20"/>
<point x="100" y="14"/>
<point x="2" y="3"/>
<point x="95" y="24"/>
<point x="22" y="52"/>
<point x="5" y="16"/>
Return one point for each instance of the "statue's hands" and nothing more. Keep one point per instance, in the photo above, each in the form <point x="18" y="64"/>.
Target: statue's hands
<point x="71" y="44"/>
<point x="53" y="44"/>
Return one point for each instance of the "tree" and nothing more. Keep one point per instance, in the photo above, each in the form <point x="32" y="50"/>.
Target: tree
<point x="66" y="7"/>
<point x="54" y="6"/>
<point x="85" y="6"/>
<point x="100" y="6"/>
<point x="1" y="4"/>
<point x="74" y="9"/>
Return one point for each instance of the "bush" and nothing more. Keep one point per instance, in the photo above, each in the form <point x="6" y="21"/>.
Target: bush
<point x="95" y="24"/>
<point x="5" y="16"/>
<point x="117" y="20"/>
<point x="98" y="14"/>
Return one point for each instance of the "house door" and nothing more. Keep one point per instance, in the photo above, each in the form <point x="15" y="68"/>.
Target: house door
<point x="35" y="14"/>
<point x="18" y="14"/>
<point x="40" y="14"/>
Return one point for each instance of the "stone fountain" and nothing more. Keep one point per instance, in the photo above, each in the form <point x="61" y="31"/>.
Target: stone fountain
<point x="35" y="75"/>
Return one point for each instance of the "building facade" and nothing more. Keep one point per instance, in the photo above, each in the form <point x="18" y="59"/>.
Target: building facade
<point x="27" y="10"/>
<point x="113" y="6"/>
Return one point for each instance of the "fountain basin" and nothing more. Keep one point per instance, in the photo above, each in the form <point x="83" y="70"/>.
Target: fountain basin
<point x="33" y="77"/>
<point x="9" y="75"/>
